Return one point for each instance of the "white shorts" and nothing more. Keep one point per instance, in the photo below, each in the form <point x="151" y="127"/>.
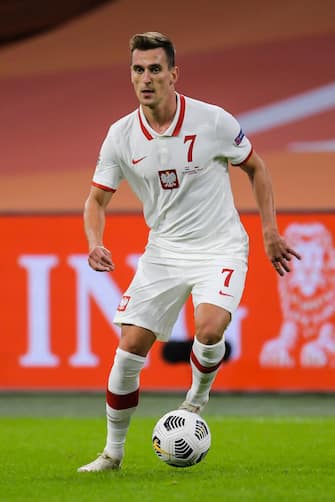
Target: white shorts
<point x="159" y="290"/>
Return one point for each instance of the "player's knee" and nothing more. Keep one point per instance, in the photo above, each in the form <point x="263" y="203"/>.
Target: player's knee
<point x="136" y="340"/>
<point x="209" y="331"/>
<point x="210" y="325"/>
<point x="209" y="338"/>
<point x="134" y="346"/>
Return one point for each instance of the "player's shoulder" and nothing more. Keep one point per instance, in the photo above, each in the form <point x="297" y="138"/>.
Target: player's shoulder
<point x="223" y="121"/>
<point x="206" y="108"/>
<point x="199" y="105"/>
<point x="215" y="114"/>
<point x="121" y="126"/>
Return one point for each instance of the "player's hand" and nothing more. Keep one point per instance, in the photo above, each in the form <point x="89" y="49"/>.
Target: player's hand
<point x="100" y="259"/>
<point x="279" y="252"/>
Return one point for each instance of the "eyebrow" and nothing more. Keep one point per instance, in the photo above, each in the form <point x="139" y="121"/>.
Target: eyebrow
<point x="151" y="67"/>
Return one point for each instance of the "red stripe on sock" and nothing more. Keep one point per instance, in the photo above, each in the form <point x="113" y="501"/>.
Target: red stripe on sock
<point x="122" y="401"/>
<point x="200" y="367"/>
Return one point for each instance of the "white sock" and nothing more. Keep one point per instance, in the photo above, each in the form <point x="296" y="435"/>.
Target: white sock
<point x="205" y="362"/>
<point x="121" y="399"/>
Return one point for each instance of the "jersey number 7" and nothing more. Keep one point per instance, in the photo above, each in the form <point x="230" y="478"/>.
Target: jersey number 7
<point x="191" y="139"/>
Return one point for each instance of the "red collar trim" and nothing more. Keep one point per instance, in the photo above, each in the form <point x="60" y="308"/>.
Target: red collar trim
<point x="144" y="129"/>
<point x="181" y="116"/>
<point x="179" y="123"/>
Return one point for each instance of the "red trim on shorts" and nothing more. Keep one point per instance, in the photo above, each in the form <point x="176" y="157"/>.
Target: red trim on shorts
<point x="200" y="367"/>
<point x="245" y="160"/>
<point x="103" y="187"/>
<point x="122" y="401"/>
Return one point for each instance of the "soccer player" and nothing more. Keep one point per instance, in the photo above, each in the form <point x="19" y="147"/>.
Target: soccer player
<point x="174" y="153"/>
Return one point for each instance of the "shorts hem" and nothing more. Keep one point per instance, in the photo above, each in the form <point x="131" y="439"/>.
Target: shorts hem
<point x="161" y="336"/>
<point x="231" y="308"/>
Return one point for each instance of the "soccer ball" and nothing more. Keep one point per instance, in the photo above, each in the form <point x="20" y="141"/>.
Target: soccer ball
<point x="181" y="438"/>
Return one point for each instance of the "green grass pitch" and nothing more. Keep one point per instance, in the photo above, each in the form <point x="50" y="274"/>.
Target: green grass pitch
<point x="251" y="459"/>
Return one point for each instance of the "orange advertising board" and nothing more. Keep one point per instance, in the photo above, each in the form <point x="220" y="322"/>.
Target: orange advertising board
<point x="56" y="313"/>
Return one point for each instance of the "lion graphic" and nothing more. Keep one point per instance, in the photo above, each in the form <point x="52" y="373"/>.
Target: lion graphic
<point x="307" y="298"/>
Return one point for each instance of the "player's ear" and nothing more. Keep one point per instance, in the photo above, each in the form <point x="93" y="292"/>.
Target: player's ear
<point x="174" y="74"/>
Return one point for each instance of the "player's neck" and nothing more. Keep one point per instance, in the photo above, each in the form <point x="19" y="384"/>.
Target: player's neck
<point x="161" y="116"/>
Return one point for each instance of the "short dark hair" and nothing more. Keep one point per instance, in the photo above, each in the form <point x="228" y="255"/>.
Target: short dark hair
<point x="153" y="40"/>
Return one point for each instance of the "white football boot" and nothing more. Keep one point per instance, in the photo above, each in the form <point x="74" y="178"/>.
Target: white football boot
<point x="190" y="407"/>
<point x="100" y="464"/>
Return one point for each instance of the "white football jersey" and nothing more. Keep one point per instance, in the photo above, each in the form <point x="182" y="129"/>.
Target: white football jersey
<point x="181" y="177"/>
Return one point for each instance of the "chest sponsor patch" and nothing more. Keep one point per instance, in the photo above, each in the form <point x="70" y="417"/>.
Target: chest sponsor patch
<point x="169" y="179"/>
<point x="239" y="137"/>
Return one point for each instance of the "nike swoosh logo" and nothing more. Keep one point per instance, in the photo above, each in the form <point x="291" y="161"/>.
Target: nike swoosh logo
<point x="136" y="161"/>
<point x="225" y="294"/>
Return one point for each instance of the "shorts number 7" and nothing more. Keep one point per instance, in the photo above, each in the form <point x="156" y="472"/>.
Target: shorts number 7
<point x="229" y="272"/>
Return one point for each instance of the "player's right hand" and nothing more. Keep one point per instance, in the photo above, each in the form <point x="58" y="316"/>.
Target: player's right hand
<point x="100" y="259"/>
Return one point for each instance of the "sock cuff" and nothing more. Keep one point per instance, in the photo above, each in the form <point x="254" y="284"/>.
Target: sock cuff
<point x="123" y="354"/>
<point x="124" y="375"/>
<point x="208" y="355"/>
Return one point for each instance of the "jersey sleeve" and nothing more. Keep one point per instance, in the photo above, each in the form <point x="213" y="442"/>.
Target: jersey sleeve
<point x="235" y="145"/>
<point x="108" y="173"/>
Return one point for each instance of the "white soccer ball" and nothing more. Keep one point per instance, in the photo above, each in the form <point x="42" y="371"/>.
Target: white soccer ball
<point x="181" y="438"/>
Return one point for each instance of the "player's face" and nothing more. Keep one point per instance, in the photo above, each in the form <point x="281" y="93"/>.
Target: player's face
<point x="151" y="77"/>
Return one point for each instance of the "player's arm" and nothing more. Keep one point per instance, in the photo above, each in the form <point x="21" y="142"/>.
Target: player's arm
<point x="277" y="250"/>
<point x="99" y="258"/>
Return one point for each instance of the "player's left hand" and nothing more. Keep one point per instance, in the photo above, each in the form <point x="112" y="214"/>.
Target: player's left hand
<point x="100" y="259"/>
<point x="279" y="252"/>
